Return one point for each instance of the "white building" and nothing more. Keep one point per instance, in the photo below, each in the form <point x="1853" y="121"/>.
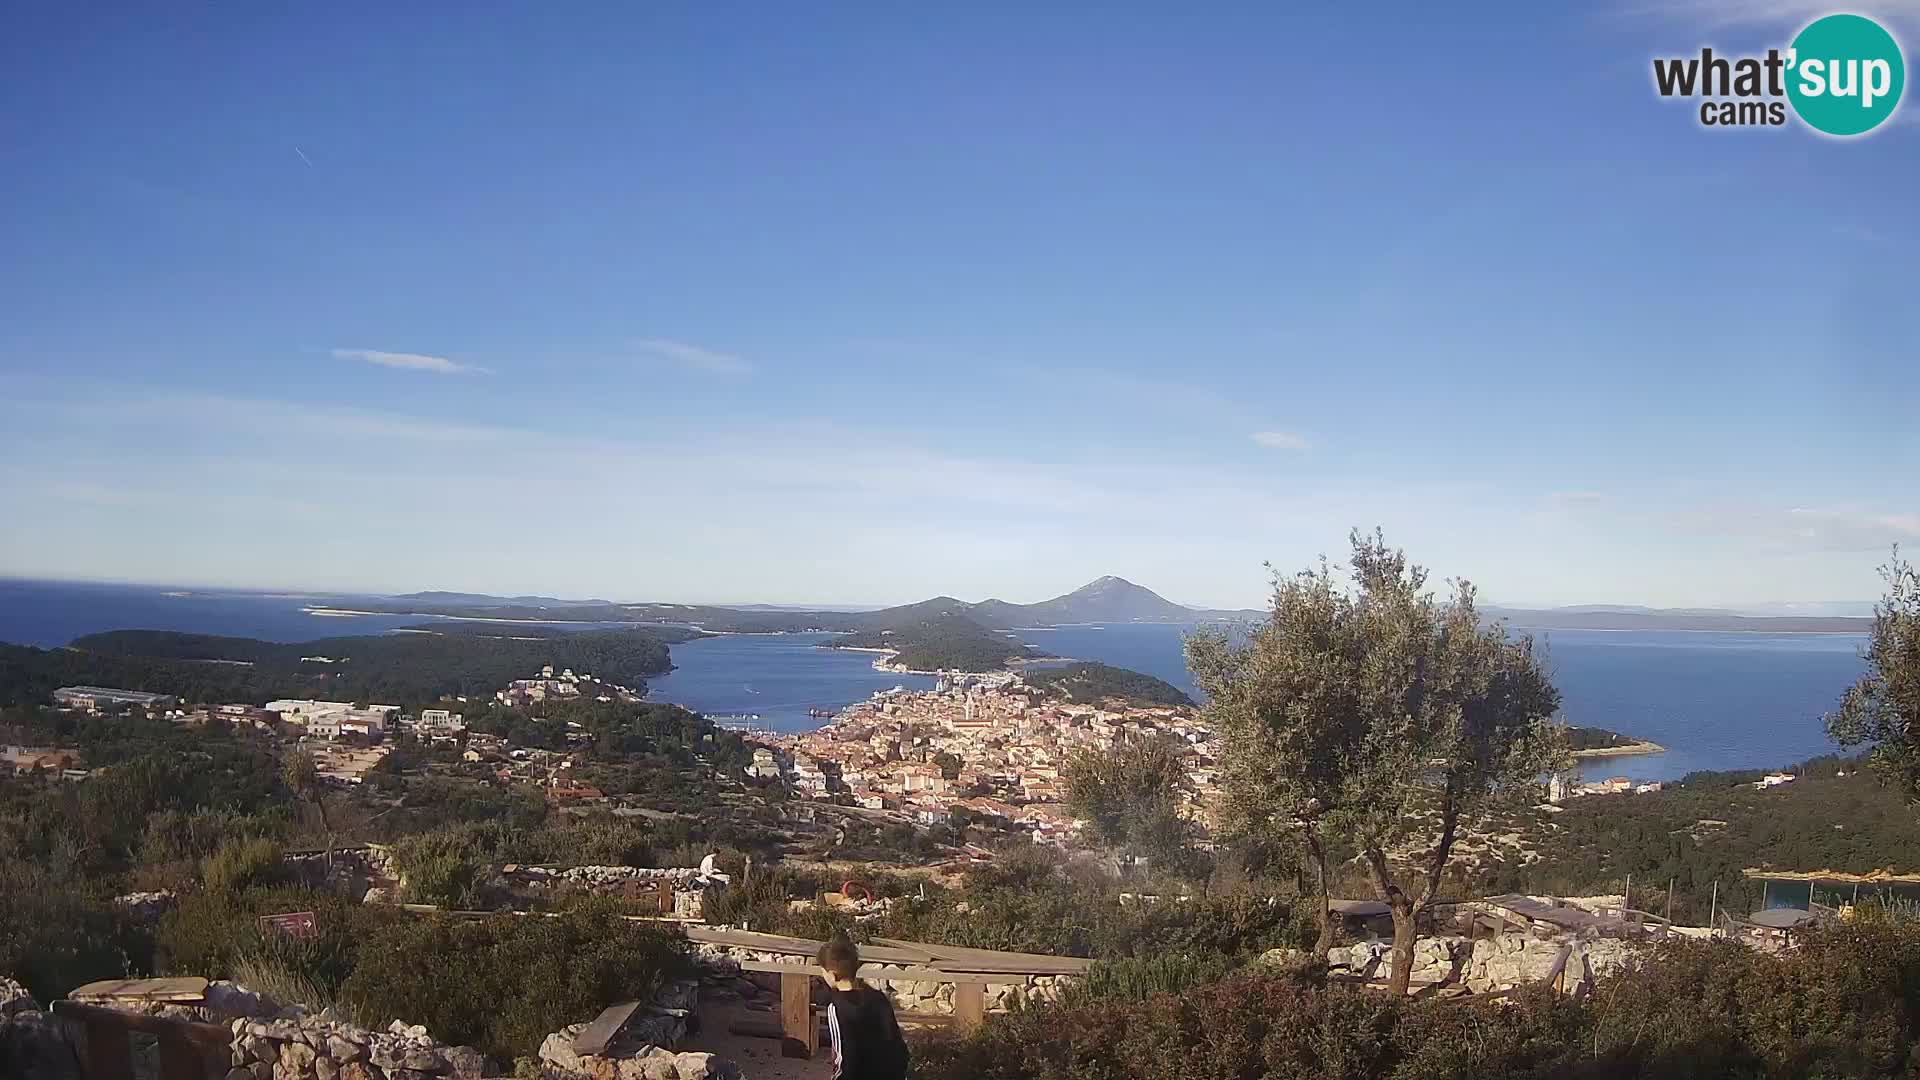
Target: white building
<point x="301" y="710"/>
<point x="765" y="766"/>
<point x="440" y="722"/>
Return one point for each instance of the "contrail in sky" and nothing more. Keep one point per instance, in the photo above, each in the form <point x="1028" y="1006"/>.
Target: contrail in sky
<point x="303" y="156"/>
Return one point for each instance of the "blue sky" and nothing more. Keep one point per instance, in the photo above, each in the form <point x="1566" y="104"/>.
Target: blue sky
<point x="735" y="304"/>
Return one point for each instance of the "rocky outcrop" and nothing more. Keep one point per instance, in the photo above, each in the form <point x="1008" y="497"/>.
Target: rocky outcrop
<point x="147" y="907"/>
<point x="628" y="1060"/>
<point x="33" y="1046"/>
<point x="643" y="1049"/>
<point x="14" y="999"/>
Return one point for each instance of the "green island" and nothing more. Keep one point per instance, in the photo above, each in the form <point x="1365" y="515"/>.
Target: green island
<point x="942" y="642"/>
<point x="1599" y="742"/>
<point x="1090" y="683"/>
<point x="405" y="668"/>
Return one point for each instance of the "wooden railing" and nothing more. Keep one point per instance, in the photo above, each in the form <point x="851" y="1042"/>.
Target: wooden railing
<point x="968" y="971"/>
<point x="186" y="1050"/>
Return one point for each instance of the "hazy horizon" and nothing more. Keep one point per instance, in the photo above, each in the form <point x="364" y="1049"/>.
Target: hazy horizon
<point x="1804" y="609"/>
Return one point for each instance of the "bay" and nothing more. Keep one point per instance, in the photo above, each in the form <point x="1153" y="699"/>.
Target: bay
<point x="774" y="678"/>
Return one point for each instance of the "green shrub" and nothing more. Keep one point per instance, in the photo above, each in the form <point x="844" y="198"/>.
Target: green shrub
<point x="504" y="982"/>
<point x="1031" y="907"/>
<point x="264" y="970"/>
<point x="762" y="900"/>
<point x="58" y="932"/>
<point x="1136" y="977"/>
<point x="444" y="868"/>
<point x="1847" y="1004"/>
<point x="217" y="935"/>
<point x="242" y="864"/>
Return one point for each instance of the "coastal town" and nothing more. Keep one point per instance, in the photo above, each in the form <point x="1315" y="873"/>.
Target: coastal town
<point x="987" y="746"/>
<point x="990" y="745"/>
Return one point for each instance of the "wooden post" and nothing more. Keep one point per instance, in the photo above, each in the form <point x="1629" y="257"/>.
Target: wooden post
<point x="1670" y="883"/>
<point x="969" y="1006"/>
<point x="1628" y="902"/>
<point x="800" y="1033"/>
<point x="1713" y="910"/>
<point x="109" y="1057"/>
<point x="180" y="1059"/>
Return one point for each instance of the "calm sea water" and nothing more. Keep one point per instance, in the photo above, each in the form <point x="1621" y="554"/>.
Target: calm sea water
<point x="49" y="614"/>
<point x="1715" y="700"/>
<point x="778" y="677"/>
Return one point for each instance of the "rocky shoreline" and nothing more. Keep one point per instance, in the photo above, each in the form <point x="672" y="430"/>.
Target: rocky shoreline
<point x="1626" y="750"/>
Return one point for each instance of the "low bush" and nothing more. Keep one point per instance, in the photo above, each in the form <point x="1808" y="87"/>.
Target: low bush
<point x="1845" y="1005"/>
<point x="443" y="868"/>
<point x="1063" y="916"/>
<point x="504" y="982"/>
<point x="1132" y="978"/>
<point x="218" y="935"/>
<point x="241" y="864"/>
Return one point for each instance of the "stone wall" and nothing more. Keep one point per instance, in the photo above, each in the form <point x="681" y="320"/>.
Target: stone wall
<point x="613" y="881"/>
<point x="294" y="1045"/>
<point x="908" y="995"/>
<point x="1488" y="964"/>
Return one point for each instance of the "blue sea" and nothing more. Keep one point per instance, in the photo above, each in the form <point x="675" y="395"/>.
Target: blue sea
<point x="1715" y="700"/>
<point x="777" y="678"/>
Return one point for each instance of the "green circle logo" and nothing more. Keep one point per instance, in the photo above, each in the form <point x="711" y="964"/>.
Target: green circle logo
<point x="1845" y="75"/>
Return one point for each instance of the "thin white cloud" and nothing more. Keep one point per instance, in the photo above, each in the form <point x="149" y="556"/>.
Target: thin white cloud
<point x="1803" y="528"/>
<point x="693" y="356"/>
<point x="439" y="365"/>
<point x="1281" y="440"/>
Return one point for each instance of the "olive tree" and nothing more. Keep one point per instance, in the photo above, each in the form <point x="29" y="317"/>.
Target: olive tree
<point x="1882" y="710"/>
<point x="1129" y="796"/>
<point x="1372" y="711"/>
<point x="1287" y="714"/>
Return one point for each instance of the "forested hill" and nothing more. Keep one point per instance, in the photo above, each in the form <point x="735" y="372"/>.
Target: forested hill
<point x="1091" y="683"/>
<point x="1593" y="738"/>
<point x="1103" y="600"/>
<point x="400" y="668"/>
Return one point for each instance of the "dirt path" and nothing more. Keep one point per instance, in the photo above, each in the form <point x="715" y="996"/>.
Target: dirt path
<point x="759" y="1059"/>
